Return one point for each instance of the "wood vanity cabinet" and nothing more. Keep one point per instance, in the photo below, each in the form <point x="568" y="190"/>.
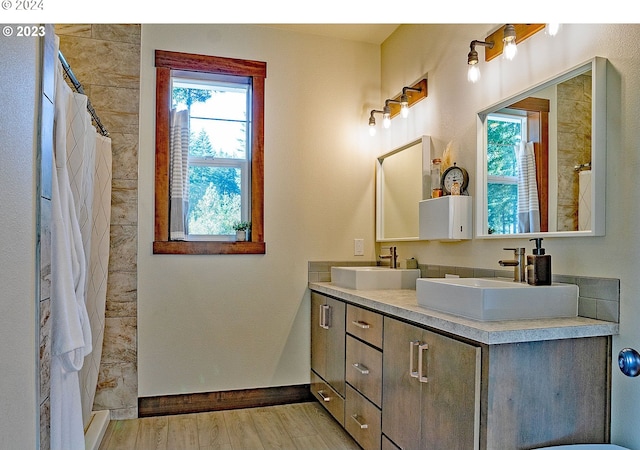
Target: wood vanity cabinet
<point x="328" y="353"/>
<point x="431" y="389"/>
<point x="364" y="377"/>
<point x="513" y="396"/>
<point x="393" y="384"/>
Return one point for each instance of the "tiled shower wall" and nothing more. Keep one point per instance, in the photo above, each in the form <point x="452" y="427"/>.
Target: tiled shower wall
<point x="106" y="60"/>
<point x="574" y="145"/>
<point x="599" y="298"/>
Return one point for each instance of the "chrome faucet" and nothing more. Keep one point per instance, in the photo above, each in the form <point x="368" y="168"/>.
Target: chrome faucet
<point x="392" y="257"/>
<point x="518" y="264"/>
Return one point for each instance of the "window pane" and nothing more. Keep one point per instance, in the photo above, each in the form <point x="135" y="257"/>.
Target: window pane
<point x="218" y="138"/>
<point x="502" y="138"/>
<point x="229" y="105"/>
<point x="215" y="202"/>
<point x="502" y="208"/>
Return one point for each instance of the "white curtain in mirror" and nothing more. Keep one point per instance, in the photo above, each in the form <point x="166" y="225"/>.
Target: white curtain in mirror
<point x="528" y="206"/>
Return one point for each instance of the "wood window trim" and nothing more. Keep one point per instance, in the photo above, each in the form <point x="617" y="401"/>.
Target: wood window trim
<point x="166" y="61"/>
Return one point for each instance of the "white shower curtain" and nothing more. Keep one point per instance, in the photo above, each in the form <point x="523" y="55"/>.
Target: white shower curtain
<point x="528" y="206"/>
<point x="70" y="329"/>
<point x="81" y="200"/>
<point x="97" y="262"/>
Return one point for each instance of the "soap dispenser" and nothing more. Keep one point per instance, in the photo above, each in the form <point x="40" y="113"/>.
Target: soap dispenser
<point x="538" y="266"/>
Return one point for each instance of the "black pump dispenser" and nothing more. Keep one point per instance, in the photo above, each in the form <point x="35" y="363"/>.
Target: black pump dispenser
<point x="538" y="250"/>
<point x="538" y="266"/>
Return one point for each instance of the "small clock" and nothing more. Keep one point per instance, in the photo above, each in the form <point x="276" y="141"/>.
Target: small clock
<point x="454" y="174"/>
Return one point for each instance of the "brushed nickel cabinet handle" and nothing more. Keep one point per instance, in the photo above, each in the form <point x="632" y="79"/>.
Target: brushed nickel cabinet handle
<point x="412" y="372"/>
<point x="421" y="376"/>
<point x="324" y="397"/>
<point x="364" y="370"/>
<point x="360" y="324"/>
<point x="355" y="417"/>
<point x="324" y="317"/>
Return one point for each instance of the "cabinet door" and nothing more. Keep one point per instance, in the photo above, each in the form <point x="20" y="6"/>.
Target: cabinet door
<point x="450" y="379"/>
<point x="328" y="340"/>
<point x="336" y="345"/>
<point x="431" y="389"/>
<point x="318" y="335"/>
<point x="401" y="390"/>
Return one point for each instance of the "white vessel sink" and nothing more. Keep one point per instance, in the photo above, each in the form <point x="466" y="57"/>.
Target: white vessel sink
<point x="492" y="299"/>
<point x="367" y="278"/>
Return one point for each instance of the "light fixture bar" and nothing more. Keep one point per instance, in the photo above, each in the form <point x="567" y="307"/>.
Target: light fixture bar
<point x="523" y="31"/>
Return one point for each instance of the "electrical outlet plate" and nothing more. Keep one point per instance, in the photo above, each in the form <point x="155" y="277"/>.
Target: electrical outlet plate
<point x="358" y="247"/>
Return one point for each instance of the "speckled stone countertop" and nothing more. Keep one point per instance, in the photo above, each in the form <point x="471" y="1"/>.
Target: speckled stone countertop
<point x="402" y="304"/>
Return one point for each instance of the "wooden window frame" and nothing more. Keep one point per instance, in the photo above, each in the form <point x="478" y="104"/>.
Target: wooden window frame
<point x="165" y="62"/>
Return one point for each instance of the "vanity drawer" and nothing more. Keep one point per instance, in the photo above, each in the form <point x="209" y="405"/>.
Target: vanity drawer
<point x="365" y="324"/>
<point x="327" y="397"/>
<point x="364" y="369"/>
<point x="363" y="420"/>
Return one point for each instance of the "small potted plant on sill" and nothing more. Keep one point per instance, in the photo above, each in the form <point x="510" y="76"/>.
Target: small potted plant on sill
<point x="242" y="230"/>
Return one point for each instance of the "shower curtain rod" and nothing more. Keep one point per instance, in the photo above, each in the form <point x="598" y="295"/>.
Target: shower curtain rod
<point x="78" y="87"/>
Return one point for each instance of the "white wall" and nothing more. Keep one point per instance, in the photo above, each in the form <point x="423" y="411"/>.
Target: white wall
<point x="449" y="114"/>
<point x="18" y="348"/>
<point x="211" y="323"/>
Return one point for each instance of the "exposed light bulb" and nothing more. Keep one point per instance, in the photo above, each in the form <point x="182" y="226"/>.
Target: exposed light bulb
<point x="404" y="110"/>
<point x="404" y="106"/>
<point x="473" y="74"/>
<point x="372" y="124"/>
<point x="553" y="28"/>
<point x="386" y="116"/>
<point x="510" y="50"/>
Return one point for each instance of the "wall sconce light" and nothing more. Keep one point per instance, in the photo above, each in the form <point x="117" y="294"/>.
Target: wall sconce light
<point x="386" y="112"/>
<point x="519" y="31"/>
<point x="509" y="39"/>
<point x="404" y="100"/>
<point x="473" y="74"/>
<point x="399" y="104"/>
<point x="372" y="121"/>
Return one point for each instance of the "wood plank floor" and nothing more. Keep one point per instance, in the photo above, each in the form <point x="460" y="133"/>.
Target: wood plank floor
<point x="304" y="426"/>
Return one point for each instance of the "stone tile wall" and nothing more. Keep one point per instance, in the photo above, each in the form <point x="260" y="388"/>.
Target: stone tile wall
<point x="599" y="298"/>
<point x="574" y="145"/>
<point x="106" y="60"/>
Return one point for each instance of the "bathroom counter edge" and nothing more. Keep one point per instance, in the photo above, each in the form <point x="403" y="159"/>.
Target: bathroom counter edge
<point x="402" y="304"/>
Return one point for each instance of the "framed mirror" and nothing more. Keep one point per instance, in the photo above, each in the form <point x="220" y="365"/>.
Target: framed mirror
<point x="402" y="180"/>
<point x="542" y="157"/>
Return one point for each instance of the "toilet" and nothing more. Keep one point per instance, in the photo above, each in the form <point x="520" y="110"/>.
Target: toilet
<point x="585" y="447"/>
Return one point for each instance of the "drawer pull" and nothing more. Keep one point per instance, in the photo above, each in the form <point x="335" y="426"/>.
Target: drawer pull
<point x="364" y="370"/>
<point x="325" y="319"/>
<point x="360" y="424"/>
<point x="360" y="324"/>
<point x="412" y="372"/>
<point x="421" y="376"/>
<point x="324" y="397"/>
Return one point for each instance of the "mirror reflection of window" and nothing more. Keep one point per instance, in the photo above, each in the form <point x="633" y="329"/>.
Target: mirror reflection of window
<point x="505" y="132"/>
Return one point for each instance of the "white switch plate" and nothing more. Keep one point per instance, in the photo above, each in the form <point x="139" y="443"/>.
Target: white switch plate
<point x="358" y="247"/>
